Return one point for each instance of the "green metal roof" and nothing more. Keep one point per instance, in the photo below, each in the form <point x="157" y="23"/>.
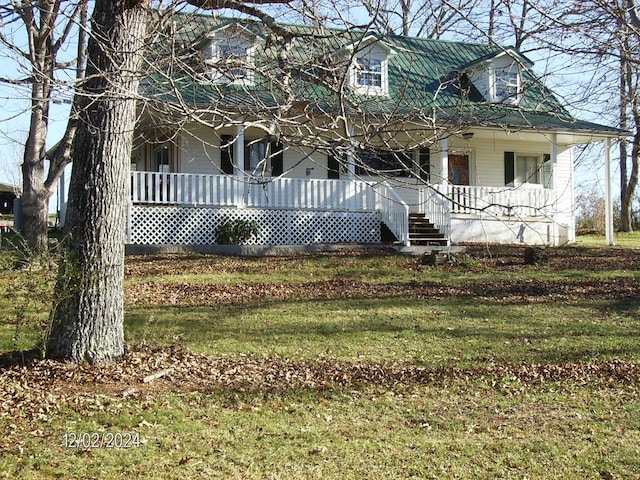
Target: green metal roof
<point x="426" y="78"/>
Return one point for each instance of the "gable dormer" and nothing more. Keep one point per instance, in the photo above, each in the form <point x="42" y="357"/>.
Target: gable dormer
<point x="499" y="78"/>
<point x="369" y="70"/>
<point x="228" y="55"/>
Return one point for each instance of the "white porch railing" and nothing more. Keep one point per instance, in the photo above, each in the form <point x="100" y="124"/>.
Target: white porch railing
<point x="394" y="211"/>
<point x="495" y="201"/>
<point x="159" y="188"/>
<point x="226" y="191"/>
<point x="437" y="208"/>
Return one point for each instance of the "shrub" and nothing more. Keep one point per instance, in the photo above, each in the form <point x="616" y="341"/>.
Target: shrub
<point x="236" y="232"/>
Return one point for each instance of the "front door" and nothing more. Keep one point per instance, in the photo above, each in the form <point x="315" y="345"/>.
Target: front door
<point x="162" y="158"/>
<point x="162" y="184"/>
<point x="459" y="169"/>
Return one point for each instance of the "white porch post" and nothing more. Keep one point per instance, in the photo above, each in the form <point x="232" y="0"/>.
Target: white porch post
<point x="238" y="155"/>
<point x="554" y="161"/>
<point x="444" y="161"/>
<point x="351" y="165"/>
<point x="554" y="185"/>
<point x="351" y="162"/>
<point x="608" y="202"/>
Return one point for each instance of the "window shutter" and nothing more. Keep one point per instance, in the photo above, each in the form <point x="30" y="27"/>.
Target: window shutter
<point x="226" y="154"/>
<point x="425" y="164"/>
<point x="247" y="157"/>
<point x="509" y="167"/>
<point x="333" y="166"/>
<point x="548" y="171"/>
<point x="277" y="159"/>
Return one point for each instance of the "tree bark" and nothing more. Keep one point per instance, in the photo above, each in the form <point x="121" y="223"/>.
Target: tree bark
<point x="35" y="196"/>
<point x="88" y="313"/>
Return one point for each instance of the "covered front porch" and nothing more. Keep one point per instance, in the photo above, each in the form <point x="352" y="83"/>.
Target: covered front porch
<point x="186" y="208"/>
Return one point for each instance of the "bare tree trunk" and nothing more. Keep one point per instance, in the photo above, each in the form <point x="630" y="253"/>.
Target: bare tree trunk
<point x="35" y="198"/>
<point x="627" y="199"/>
<point x="628" y="104"/>
<point x="48" y="25"/>
<point x="88" y="316"/>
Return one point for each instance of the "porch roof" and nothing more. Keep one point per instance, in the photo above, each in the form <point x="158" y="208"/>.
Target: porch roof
<point x="426" y="78"/>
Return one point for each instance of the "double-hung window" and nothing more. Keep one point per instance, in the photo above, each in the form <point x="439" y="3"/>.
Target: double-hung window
<point x="521" y="169"/>
<point x="528" y="169"/>
<point x="506" y="84"/>
<point x="233" y="60"/>
<point x="369" y="73"/>
<point x="228" y="60"/>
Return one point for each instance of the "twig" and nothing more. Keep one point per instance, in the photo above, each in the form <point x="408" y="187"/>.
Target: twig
<point x="155" y="376"/>
<point x="129" y="392"/>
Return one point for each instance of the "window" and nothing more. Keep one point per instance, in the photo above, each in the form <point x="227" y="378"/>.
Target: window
<point x="233" y="61"/>
<point x="527" y="169"/>
<point x="228" y="60"/>
<point x="255" y="157"/>
<point x="264" y="158"/>
<point x="162" y="156"/>
<point x="524" y="168"/>
<point x="369" y="72"/>
<point x="506" y="84"/>
<point x="381" y="162"/>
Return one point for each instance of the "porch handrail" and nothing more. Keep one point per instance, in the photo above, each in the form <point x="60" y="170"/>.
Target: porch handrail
<point x="435" y="204"/>
<point x="498" y="201"/>
<point x="167" y="188"/>
<point x="393" y="210"/>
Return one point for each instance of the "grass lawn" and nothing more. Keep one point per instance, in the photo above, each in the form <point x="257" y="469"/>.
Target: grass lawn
<point x="350" y="365"/>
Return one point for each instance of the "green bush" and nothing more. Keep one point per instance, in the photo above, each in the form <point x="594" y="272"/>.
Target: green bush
<point x="236" y="232"/>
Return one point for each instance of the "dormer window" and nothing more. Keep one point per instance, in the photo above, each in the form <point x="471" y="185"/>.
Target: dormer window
<point x="229" y="59"/>
<point x="369" y="68"/>
<point x="233" y="58"/>
<point x="506" y="84"/>
<point x="499" y="79"/>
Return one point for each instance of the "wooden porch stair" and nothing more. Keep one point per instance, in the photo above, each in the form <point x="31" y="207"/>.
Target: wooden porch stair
<point x="423" y="232"/>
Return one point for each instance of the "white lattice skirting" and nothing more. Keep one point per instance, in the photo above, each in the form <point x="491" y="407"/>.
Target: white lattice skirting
<point x="176" y="225"/>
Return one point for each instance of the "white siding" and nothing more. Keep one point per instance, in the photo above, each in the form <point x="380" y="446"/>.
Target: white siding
<point x="199" y="151"/>
<point x="296" y="162"/>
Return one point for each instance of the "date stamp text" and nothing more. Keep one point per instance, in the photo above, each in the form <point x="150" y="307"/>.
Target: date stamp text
<point x="86" y="440"/>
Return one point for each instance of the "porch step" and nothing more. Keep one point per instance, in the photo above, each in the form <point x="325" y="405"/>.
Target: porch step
<point x="423" y="232"/>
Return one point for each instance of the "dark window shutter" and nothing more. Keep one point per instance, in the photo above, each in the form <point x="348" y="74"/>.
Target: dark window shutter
<point x="425" y="164"/>
<point x="247" y="157"/>
<point x="226" y="154"/>
<point x="333" y="166"/>
<point x="509" y="167"/>
<point x="277" y="159"/>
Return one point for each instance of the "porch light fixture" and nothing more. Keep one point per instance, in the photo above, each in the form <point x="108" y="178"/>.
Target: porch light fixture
<point x="467" y="135"/>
